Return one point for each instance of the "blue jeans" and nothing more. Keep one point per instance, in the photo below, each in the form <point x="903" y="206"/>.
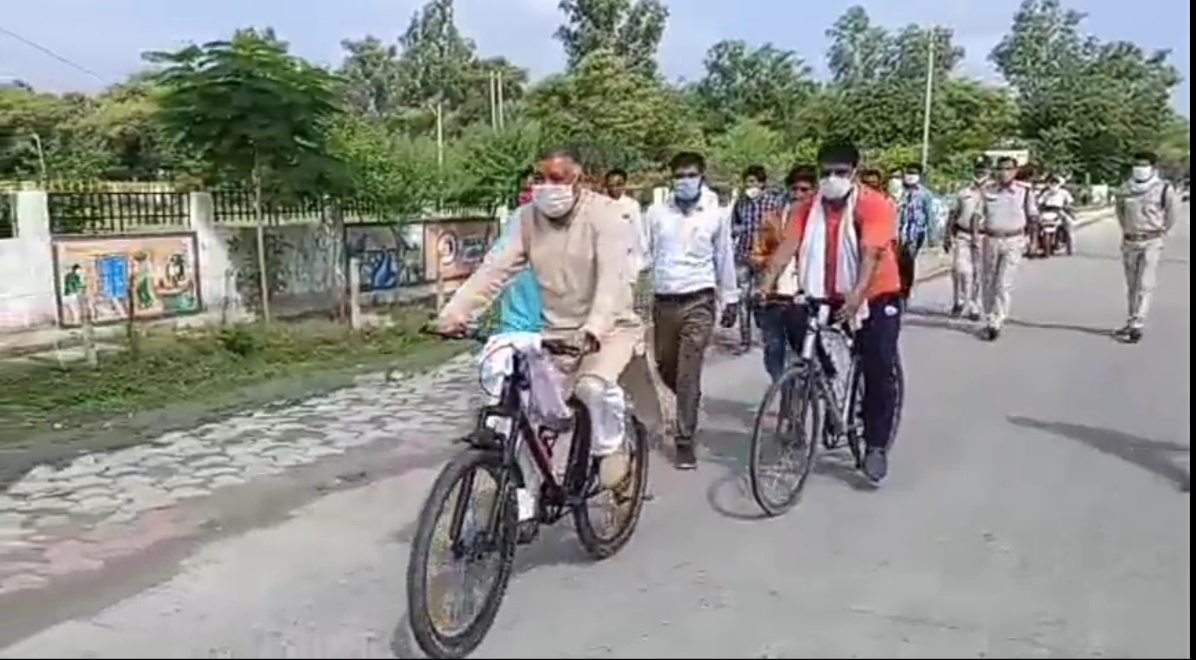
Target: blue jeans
<point x="771" y="321"/>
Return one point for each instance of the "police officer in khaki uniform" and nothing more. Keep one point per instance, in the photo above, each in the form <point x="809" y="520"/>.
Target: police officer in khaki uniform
<point x="1147" y="208"/>
<point x="962" y="242"/>
<point x="1008" y="208"/>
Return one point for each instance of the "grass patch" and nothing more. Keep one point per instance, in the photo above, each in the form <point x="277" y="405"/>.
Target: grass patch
<point x="204" y="369"/>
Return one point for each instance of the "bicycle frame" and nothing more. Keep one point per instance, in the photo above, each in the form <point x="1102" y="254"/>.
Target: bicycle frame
<point x="814" y="355"/>
<point x="556" y="496"/>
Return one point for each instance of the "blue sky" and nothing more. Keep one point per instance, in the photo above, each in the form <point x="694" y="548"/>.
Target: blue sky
<point x="108" y="36"/>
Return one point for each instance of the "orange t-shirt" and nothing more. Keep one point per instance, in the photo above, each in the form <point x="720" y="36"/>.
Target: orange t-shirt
<point x="876" y="224"/>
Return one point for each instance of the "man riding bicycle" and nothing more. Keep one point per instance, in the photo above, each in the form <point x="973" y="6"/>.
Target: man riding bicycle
<point x="579" y="248"/>
<point x="844" y="241"/>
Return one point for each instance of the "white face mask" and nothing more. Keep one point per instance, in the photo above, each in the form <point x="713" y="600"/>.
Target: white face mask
<point x="911" y="179"/>
<point x="1142" y="172"/>
<point x="752" y="192"/>
<point x="834" y="187"/>
<point x="553" y="200"/>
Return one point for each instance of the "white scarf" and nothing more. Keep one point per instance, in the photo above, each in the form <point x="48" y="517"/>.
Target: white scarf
<point x="811" y="257"/>
<point x="1140" y="187"/>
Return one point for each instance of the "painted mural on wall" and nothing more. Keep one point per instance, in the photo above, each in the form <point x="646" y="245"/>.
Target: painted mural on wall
<point x="456" y="248"/>
<point x="389" y="255"/>
<point x="160" y="273"/>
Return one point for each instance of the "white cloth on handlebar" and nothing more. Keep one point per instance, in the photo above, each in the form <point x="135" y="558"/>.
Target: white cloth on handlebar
<point x="546" y="403"/>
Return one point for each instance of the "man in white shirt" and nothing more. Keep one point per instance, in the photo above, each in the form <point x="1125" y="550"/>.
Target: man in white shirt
<point x="615" y="187"/>
<point x="693" y="270"/>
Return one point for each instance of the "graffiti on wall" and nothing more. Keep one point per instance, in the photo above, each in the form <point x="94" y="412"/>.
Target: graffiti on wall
<point x="456" y="248"/>
<point x="157" y="274"/>
<point x="389" y="255"/>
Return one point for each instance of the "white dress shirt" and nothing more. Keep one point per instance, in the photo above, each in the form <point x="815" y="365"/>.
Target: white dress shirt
<point x="630" y="208"/>
<point x="691" y="252"/>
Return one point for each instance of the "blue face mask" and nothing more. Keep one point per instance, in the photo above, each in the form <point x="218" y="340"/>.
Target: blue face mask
<point x="688" y="188"/>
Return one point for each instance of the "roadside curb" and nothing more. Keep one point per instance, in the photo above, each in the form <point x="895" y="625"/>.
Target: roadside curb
<point x="943" y="269"/>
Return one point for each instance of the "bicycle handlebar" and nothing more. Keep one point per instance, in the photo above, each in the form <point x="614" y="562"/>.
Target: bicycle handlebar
<point x="463" y="334"/>
<point x="554" y="346"/>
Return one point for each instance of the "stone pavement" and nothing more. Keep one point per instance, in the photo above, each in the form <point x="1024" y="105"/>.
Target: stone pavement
<point x="1032" y="511"/>
<point x="101" y="507"/>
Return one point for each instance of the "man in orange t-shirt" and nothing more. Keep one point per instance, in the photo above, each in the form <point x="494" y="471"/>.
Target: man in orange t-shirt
<point x="877" y="285"/>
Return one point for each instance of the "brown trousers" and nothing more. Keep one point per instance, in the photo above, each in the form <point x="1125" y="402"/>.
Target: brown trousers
<point x="684" y="325"/>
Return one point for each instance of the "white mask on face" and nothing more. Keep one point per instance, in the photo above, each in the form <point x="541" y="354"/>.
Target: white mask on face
<point x="834" y="187"/>
<point x="752" y="192"/>
<point x="911" y="179"/>
<point x="1142" y="172"/>
<point x="553" y="200"/>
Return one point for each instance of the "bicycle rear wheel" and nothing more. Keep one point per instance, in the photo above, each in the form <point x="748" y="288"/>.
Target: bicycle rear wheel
<point x="856" y="434"/>
<point x="487" y="534"/>
<point x="798" y="422"/>
<point x="623" y="512"/>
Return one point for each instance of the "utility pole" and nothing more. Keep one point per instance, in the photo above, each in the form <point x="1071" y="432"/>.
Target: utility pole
<point x="929" y="98"/>
<point x="502" y="116"/>
<point x="492" y="80"/>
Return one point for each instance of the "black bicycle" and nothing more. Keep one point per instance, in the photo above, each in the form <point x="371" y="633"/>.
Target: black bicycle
<point x="493" y="533"/>
<point x="819" y="397"/>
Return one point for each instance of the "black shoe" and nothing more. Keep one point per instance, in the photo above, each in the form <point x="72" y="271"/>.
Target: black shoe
<point x="1133" y="336"/>
<point x="526" y="532"/>
<point x="990" y="334"/>
<point x="684" y="457"/>
<point x="956" y="311"/>
<point x="876" y="464"/>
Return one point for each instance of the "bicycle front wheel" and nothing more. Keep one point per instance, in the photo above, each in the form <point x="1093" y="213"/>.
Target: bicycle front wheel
<point x="481" y="529"/>
<point x="784" y="438"/>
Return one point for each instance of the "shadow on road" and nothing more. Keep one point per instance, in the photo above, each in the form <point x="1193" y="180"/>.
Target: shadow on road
<point x="1150" y="455"/>
<point x="1099" y="332"/>
<point x="923" y="317"/>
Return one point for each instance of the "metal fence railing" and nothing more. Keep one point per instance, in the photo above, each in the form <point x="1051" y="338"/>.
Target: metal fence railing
<point x="88" y="213"/>
<point x="236" y="207"/>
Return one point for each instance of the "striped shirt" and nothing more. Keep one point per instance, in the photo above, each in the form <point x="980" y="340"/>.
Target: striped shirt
<point x="746" y="218"/>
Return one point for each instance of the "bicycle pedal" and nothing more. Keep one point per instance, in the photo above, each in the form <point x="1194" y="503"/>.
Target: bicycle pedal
<point x="484" y="437"/>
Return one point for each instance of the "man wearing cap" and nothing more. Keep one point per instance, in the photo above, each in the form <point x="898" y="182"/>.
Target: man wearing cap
<point x="962" y="242"/>
<point x="1009" y="209"/>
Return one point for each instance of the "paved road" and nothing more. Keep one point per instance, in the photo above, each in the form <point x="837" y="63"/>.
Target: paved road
<point x="1034" y="509"/>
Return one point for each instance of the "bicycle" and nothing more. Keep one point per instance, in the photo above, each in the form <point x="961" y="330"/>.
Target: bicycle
<point x="814" y="391"/>
<point x="496" y="535"/>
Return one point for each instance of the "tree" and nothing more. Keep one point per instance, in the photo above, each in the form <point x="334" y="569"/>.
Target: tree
<point x="46" y="136"/>
<point x="372" y="76"/>
<point x="436" y="58"/>
<point x="617" y="116"/>
<point x="877" y="96"/>
<point x="765" y="83"/>
<point x="1086" y="105"/>
<point x="249" y="108"/>
<point x="631" y="30"/>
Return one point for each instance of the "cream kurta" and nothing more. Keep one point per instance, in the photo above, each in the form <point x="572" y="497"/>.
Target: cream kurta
<point x="585" y="267"/>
